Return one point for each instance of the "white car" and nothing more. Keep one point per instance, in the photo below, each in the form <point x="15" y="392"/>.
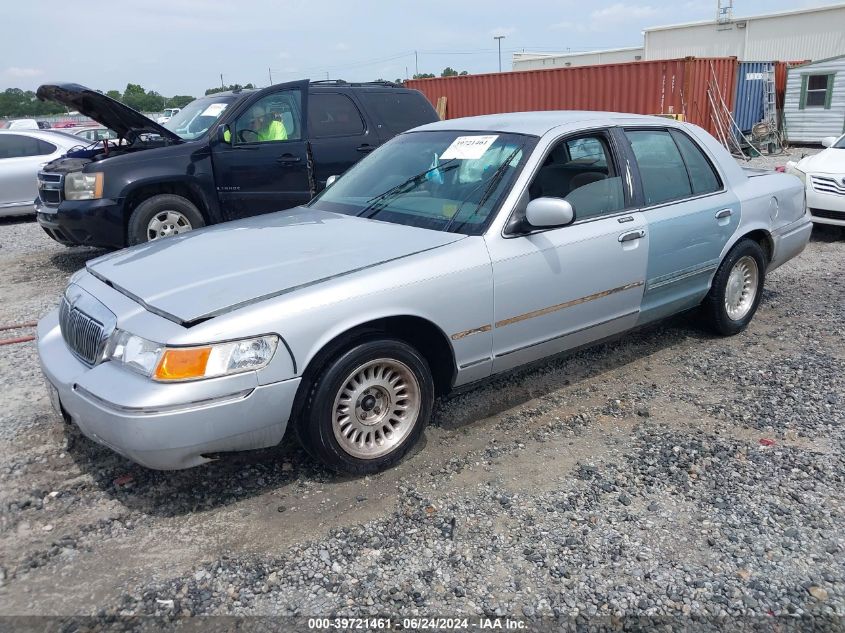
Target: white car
<point x="21" y="124"/>
<point x="168" y="114"/>
<point x="22" y="154"/>
<point x="824" y="177"/>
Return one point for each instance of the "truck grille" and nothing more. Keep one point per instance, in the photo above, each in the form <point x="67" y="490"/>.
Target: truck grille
<point x="83" y="334"/>
<point x="825" y="184"/>
<point x="50" y="188"/>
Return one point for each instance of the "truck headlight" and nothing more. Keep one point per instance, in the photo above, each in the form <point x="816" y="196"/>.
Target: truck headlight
<point x="81" y="186"/>
<point x="168" y="364"/>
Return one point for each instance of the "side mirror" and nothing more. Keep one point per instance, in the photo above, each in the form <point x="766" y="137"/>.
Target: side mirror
<point x="224" y="134"/>
<point x="549" y="212"/>
<point x="828" y="141"/>
<point x="331" y="180"/>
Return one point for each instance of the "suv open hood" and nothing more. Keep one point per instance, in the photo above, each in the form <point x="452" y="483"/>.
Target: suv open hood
<point x="116" y="116"/>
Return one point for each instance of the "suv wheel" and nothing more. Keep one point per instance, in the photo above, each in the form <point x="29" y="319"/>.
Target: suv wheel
<point x="737" y="288"/>
<point x="162" y="216"/>
<point x="367" y="407"/>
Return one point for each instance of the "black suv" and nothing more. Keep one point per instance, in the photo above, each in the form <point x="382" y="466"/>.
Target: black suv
<point x="224" y="156"/>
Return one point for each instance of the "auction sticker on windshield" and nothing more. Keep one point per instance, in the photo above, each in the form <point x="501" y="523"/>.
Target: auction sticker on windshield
<point x="214" y="109"/>
<point x="469" y="147"/>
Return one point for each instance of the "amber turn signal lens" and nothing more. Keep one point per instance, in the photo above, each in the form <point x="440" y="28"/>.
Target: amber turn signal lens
<point x="182" y="364"/>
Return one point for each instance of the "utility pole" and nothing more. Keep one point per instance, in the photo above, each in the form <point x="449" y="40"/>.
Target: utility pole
<point x="416" y="63"/>
<point x="222" y="85"/>
<point x="499" y="39"/>
<point x="270" y="72"/>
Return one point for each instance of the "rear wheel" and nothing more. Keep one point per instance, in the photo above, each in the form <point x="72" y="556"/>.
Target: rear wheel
<point x="368" y="406"/>
<point x="162" y="216"/>
<point x="736" y="290"/>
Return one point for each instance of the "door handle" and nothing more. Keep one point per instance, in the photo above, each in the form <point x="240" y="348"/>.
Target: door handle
<point x="724" y="213"/>
<point x="365" y="147"/>
<point x="632" y="235"/>
<point x="288" y="158"/>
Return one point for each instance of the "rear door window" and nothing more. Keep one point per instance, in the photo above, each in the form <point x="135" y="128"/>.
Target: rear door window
<point x="17" y="146"/>
<point x="701" y="173"/>
<point x="395" y="112"/>
<point x="333" y="114"/>
<point x="662" y="170"/>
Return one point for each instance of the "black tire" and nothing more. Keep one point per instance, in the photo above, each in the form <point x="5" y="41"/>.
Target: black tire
<point x="149" y="208"/>
<point x="714" y="311"/>
<point x="315" y="424"/>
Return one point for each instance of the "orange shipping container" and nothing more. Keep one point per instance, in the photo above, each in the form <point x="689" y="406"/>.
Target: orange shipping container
<point x="671" y="86"/>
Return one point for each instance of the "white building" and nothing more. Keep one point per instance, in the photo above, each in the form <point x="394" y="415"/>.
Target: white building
<point x="803" y="34"/>
<point x="816" y="33"/>
<point x="537" y="61"/>
<point x="814" y="106"/>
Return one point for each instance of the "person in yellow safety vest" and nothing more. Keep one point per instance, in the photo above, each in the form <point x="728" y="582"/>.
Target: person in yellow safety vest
<point x="263" y="126"/>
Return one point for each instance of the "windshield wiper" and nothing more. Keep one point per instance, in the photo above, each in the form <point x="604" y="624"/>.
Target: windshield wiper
<point x="491" y="186"/>
<point x="376" y="203"/>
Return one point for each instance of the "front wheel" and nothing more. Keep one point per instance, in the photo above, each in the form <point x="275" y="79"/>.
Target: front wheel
<point x="367" y="407"/>
<point x="162" y="216"/>
<point x="736" y="290"/>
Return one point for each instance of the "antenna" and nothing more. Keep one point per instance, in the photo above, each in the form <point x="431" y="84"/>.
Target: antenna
<point x="724" y="11"/>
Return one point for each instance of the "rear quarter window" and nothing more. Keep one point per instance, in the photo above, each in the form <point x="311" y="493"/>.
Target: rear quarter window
<point x="395" y="112"/>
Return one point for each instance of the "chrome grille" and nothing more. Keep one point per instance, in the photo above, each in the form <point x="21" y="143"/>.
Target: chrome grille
<point x="825" y="184"/>
<point x="83" y="335"/>
<point x="50" y="188"/>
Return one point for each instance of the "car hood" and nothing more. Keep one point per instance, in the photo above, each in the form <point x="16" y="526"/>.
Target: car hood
<point x="829" y="161"/>
<point x="116" y="116"/>
<point x="211" y="271"/>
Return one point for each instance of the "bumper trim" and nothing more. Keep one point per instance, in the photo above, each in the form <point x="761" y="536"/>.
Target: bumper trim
<point x="197" y="404"/>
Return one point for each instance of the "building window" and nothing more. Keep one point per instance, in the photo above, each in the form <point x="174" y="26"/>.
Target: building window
<point x="816" y="91"/>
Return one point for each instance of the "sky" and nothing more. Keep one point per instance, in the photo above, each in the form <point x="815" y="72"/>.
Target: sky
<point x="183" y="46"/>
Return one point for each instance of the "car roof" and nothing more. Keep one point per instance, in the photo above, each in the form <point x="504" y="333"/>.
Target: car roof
<point x="48" y="135"/>
<point x="539" y="123"/>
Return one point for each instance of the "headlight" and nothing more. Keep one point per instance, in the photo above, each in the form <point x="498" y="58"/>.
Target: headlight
<point x="80" y="186"/>
<point x="190" y="363"/>
<point x="792" y="168"/>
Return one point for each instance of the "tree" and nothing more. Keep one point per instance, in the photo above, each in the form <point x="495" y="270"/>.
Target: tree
<point x="424" y="76"/>
<point x="212" y="91"/>
<point x="114" y="94"/>
<point x="451" y="72"/>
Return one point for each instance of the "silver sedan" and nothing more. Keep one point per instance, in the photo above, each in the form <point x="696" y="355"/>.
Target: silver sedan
<point x="22" y="154"/>
<point x="454" y="252"/>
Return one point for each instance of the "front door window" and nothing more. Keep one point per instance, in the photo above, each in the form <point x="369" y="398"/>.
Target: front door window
<point x="275" y="117"/>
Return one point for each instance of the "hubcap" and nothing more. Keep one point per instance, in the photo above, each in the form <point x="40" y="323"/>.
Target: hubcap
<point x="167" y="223"/>
<point x="376" y="408"/>
<point x="742" y="288"/>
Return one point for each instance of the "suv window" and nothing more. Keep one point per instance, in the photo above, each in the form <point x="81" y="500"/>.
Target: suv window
<point x="662" y="169"/>
<point x="16" y="146"/>
<point x="397" y="111"/>
<point x="274" y="117"/>
<point x="703" y="177"/>
<point x="581" y="171"/>
<point x="333" y="114"/>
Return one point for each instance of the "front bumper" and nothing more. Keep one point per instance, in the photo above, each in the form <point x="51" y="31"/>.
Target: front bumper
<point x="84" y="222"/>
<point x="826" y="208"/>
<point x="163" y="426"/>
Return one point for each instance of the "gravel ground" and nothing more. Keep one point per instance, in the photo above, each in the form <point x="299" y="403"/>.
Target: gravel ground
<point x="667" y="474"/>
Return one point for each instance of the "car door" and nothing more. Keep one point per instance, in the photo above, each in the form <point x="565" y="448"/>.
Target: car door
<point x="20" y="159"/>
<point x="562" y="287"/>
<point x="690" y="214"/>
<point x="261" y="159"/>
<point x="338" y="134"/>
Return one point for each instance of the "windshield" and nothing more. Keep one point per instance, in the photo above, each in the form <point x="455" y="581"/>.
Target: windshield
<point x="196" y="117"/>
<point x="840" y="144"/>
<point x="445" y="180"/>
